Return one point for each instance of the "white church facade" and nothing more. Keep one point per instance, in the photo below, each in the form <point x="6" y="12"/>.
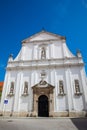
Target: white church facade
<point x="45" y="79"/>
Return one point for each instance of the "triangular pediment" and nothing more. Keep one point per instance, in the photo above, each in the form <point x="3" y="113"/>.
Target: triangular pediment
<point x="42" y="36"/>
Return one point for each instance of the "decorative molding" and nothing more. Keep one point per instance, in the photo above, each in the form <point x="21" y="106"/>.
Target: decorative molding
<point x="78" y="94"/>
<point x="25" y="94"/>
<point x="40" y="60"/>
<point x="58" y="38"/>
<point x="10" y="95"/>
<point x="44" y="66"/>
<point x="61" y="94"/>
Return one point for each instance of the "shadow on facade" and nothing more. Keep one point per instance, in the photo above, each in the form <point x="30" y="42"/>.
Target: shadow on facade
<point x="80" y="123"/>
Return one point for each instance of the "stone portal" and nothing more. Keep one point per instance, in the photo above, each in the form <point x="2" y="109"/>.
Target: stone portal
<point x="43" y="99"/>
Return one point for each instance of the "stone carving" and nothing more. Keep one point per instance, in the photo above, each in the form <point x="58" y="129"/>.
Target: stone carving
<point x="43" y="53"/>
<point x="77" y="89"/>
<point x="42" y="82"/>
<point x="43" y="74"/>
<point x="11" y="92"/>
<point x="12" y="87"/>
<point x="61" y="89"/>
<point x="26" y="88"/>
<point x="25" y="93"/>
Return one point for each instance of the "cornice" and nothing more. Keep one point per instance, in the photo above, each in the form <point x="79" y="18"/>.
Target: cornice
<point x="45" y="60"/>
<point x="45" y="66"/>
<point x="45" y="41"/>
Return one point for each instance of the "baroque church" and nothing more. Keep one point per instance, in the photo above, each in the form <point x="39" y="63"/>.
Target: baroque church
<point x="45" y="79"/>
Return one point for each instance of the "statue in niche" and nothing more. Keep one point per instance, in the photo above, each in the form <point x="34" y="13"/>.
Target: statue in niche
<point x="43" y="53"/>
<point x="61" y="89"/>
<point x="26" y="88"/>
<point x="77" y="89"/>
<point x="11" y="91"/>
<point x="77" y="86"/>
<point x="12" y="88"/>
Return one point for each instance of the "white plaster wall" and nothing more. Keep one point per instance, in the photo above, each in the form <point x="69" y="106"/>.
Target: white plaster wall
<point x="58" y="50"/>
<point x="28" y="55"/>
<point x="75" y="72"/>
<point x="31" y="51"/>
<point x="9" y="106"/>
<point x="43" y="36"/>
<point x="10" y="77"/>
<point x="24" y="100"/>
<point x="3" y="97"/>
<point x="53" y="76"/>
<point x="60" y="101"/>
<point x="84" y="86"/>
<point x="47" y="52"/>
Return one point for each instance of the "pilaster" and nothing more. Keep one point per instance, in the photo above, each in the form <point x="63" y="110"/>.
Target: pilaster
<point x="17" y="91"/>
<point x="69" y="89"/>
<point x="84" y="86"/>
<point x="5" y="90"/>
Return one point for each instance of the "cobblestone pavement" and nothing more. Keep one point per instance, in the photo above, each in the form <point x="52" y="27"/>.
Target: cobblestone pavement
<point x="43" y="124"/>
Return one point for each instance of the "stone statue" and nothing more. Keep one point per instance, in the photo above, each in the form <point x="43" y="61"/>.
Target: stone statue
<point x="43" y="53"/>
<point x="61" y="90"/>
<point x="77" y="86"/>
<point x="12" y="88"/>
<point x="26" y="88"/>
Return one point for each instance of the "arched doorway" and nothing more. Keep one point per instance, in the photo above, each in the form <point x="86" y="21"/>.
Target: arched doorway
<point x="43" y="106"/>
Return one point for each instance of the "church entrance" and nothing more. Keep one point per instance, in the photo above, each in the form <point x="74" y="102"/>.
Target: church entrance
<point x="43" y="106"/>
<point x="43" y="99"/>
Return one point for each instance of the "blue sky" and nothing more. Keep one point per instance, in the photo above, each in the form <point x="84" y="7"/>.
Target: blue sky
<point x="20" y="19"/>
